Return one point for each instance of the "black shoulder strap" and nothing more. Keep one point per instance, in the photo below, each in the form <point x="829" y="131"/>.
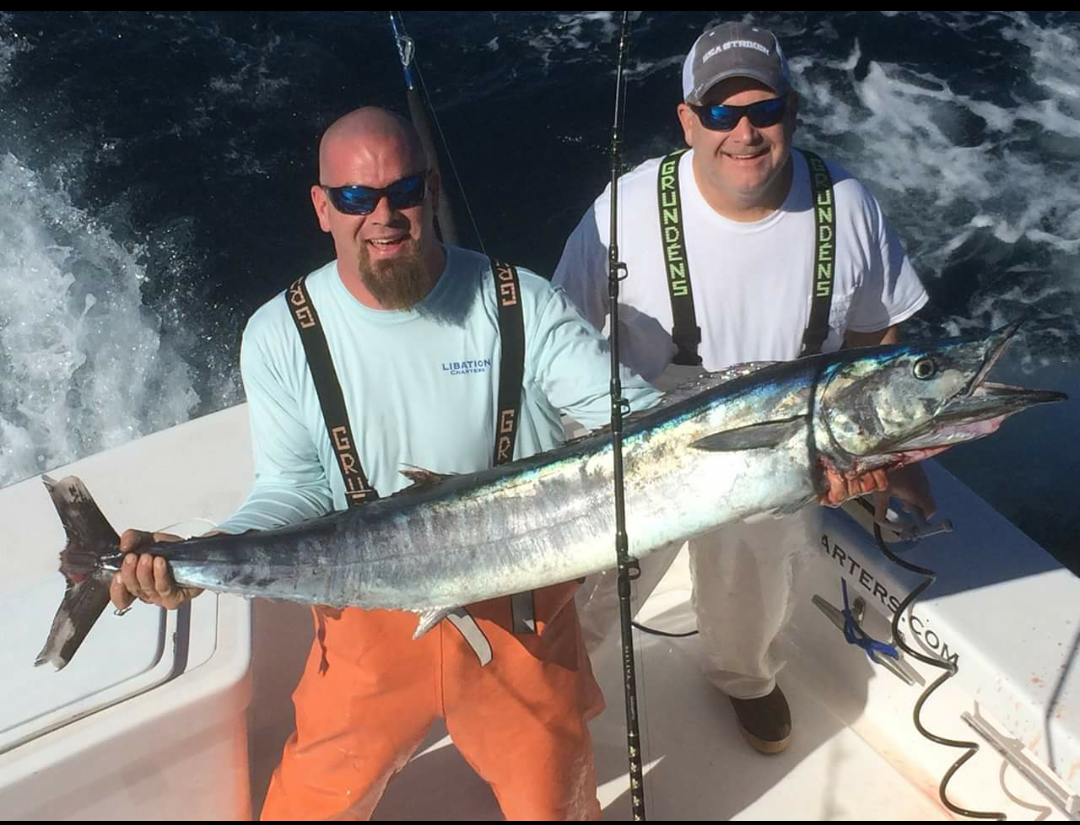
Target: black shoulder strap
<point x="824" y="205"/>
<point x="511" y="374"/>
<point x="328" y="388"/>
<point x="512" y="363"/>
<point x="685" y="331"/>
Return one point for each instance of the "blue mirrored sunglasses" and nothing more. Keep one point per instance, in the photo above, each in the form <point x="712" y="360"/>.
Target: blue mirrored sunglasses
<point x="722" y="118"/>
<point x="362" y="200"/>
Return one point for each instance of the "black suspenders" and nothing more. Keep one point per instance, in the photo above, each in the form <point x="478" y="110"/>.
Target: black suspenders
<point x="511" y="375"/>
<point x="357" y="488"/>
<point x="685" y="331"/>
<point x="821" y="185"/>
<point x="512" y="363"/>
<point x="328" y="388"/>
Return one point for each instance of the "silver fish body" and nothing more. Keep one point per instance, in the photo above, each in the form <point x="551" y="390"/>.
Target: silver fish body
<point x="738" y="444"/>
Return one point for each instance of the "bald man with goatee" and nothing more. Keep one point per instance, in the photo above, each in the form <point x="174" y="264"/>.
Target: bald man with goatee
<point x="393" y="355"/>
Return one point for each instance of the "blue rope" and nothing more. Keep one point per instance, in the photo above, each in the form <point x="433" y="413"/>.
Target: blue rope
<point x="855" y="635"/>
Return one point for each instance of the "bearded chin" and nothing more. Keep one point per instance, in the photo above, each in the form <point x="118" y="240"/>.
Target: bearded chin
<point x="399" y="283"/>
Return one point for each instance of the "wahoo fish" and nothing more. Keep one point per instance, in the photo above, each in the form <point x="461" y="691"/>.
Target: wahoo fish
<point x="755" y="439"/>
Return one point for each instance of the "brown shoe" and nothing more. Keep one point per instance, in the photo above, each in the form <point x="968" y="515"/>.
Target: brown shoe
<point x="766" y="722"/>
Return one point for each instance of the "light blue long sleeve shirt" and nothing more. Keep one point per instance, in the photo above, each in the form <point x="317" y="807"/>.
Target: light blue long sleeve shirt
<point x="420" y="386"/>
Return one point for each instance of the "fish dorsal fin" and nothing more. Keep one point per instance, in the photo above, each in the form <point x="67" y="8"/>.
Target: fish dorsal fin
<point x="694" y="385"/>
<point x="422" y="478"/>
<point x="707" y="380"/>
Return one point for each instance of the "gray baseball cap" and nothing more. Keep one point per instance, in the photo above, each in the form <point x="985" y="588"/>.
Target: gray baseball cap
<point x="734" y="50"/>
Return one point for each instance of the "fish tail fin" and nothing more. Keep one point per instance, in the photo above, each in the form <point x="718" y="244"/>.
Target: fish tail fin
<point x="90" y="538"/>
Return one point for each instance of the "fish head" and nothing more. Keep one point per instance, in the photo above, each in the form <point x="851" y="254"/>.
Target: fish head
<point x="883" y="407"/>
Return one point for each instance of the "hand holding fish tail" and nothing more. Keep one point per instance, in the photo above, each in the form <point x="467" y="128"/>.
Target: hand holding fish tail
<point x="146" y="577"/>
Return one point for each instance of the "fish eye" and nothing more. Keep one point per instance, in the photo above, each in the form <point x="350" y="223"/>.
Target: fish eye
<point x="924" y="368"/>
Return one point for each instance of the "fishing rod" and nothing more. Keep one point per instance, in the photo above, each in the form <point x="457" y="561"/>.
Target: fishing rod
<point x="628" y="568"/>
<point x="418" y="113"/>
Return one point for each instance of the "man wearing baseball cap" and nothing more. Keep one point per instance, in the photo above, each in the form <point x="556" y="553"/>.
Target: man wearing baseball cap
<point x="743" y="249"/>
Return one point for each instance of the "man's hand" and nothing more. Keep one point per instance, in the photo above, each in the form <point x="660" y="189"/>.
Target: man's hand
<point x="908" y="484"/>
<point x="911" y="486"/>
<point x="146" y="577"/>
<point x="841" y="489"/>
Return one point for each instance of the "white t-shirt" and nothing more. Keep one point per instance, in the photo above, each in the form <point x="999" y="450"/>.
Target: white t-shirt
<point x="751" y="282"/>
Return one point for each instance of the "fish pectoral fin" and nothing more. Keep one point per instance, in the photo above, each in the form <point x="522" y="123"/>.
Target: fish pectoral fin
<point x="422" y="478"/>
<point x="753" y="437"/>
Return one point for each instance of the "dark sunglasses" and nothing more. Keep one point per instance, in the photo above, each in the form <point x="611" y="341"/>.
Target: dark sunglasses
<point x="721" y="118"/>
<point x="362" y="200"/>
